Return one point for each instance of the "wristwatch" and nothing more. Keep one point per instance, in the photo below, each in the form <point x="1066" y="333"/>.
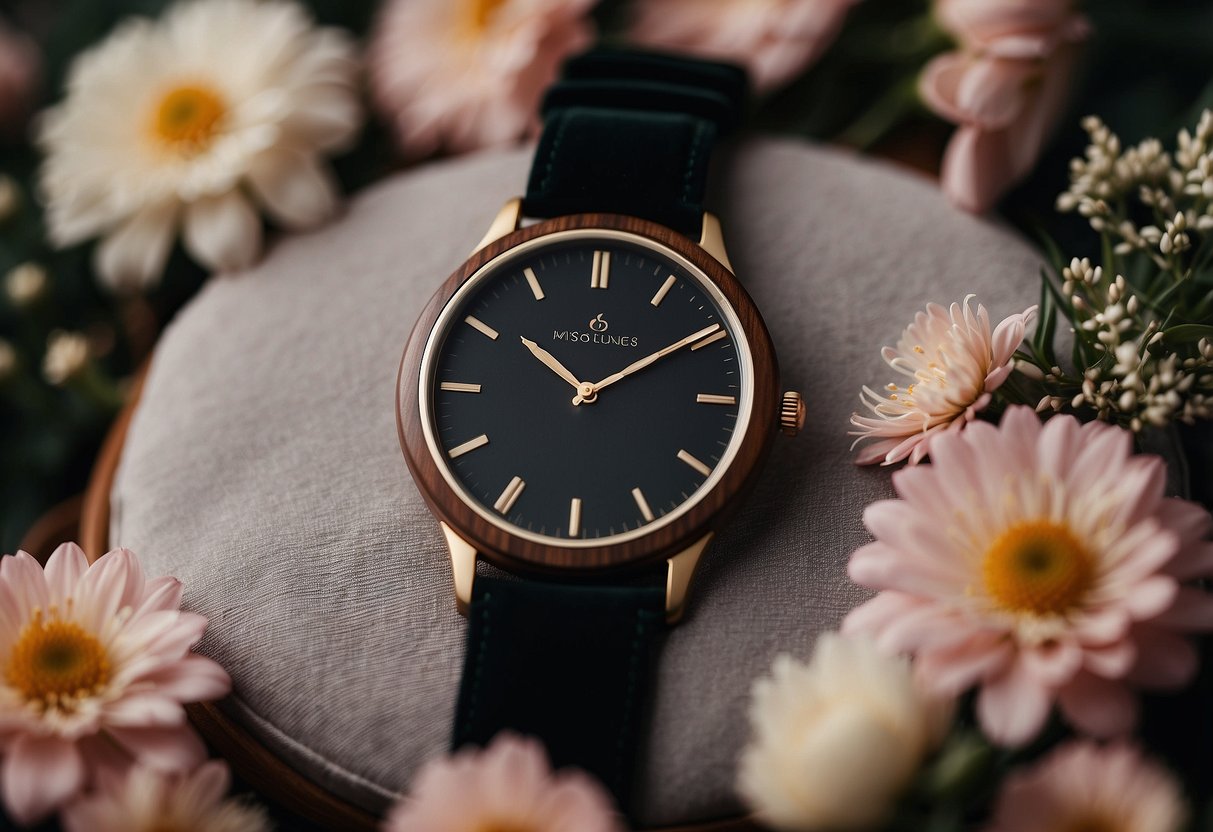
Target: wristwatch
<point x="584" y="402"/>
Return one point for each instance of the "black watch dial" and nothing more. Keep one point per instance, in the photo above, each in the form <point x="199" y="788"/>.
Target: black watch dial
<point x="585" y="388"/>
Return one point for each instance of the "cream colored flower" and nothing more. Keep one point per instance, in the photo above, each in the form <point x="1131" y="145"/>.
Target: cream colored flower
<point x="836" y="741"/>
<point x="186" y="124"/>
<point x="953" y="362"/>
<point x="457" y="75"/>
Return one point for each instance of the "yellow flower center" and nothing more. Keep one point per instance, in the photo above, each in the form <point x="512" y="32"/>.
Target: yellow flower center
<point x="55" y="660"/>
<point x="480" y="13"/>
<point x="187" y="118"/>
<point x="1038" y="566"/>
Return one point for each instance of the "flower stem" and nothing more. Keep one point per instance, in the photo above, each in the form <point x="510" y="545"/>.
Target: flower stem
<point x="899" y="101"/>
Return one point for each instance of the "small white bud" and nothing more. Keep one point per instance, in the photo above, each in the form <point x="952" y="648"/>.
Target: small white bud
<point x="25" y="284"/>
<point x="10" y="197"/>
<point x="67" y="353"/>
<point x="8" y="359"/>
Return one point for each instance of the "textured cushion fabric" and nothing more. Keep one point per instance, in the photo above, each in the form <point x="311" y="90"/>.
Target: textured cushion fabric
<point x="262" y="467"/>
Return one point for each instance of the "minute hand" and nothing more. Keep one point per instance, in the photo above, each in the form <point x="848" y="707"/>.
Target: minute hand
<point x="649" y="359"/>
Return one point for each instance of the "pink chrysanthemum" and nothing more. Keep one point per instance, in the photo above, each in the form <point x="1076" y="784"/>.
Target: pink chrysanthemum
<point x="775" y="40"/>
<point x="1083" y="786"/>
<point x="146" y="800"/>
<point x="1042" y="564"/>
<point x="457" y="75"/>
<point x="954" y="362"/>
<point x="95" y="664"/>
<point x="507" y="785"/>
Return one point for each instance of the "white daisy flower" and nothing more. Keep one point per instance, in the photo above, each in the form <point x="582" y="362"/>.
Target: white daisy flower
<point x="192" y="123"/>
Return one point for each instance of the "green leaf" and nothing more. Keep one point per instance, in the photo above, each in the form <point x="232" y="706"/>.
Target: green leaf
<point x="1187" y="333"/>
<point x="1046" y="322"/>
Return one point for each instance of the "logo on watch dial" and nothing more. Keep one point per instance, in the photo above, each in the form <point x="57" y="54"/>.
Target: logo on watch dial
<point x="597" y="334"/>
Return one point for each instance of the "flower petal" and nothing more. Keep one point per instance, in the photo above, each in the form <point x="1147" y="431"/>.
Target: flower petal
<point x="132" y="256"/>
<point x="223" y="232"/>
<point x="66" y="565"/>
<point x="1013" y="707"/>
<point x="40" y="774"/>
<point x="1164" y="660"/>
<point x="1099" y="707"/>
<point x="192" y="679"/>
<point x="163" y="748"/>
<point x="295" y="189"/>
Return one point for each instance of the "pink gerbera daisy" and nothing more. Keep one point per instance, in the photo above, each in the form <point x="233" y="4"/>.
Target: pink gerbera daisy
<point x="146" y="800"/>
<point x="1083" y="786"/>
<point x="775" y="40"/>
<point x="954" y="362"/>
<point x="507" y="785"/>
<point x="95" y="664"/>
<point x="1042" y="564"/>
<point x="457" y="75"/>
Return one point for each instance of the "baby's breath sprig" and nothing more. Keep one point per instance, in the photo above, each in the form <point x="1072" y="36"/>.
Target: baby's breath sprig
<point x="1142" y="319"/>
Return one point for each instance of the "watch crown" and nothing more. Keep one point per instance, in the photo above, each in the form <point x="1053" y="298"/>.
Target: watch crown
<point x="791" y="413"/>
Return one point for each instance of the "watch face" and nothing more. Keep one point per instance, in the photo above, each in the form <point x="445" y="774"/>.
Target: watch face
<point x="585" y="387"/>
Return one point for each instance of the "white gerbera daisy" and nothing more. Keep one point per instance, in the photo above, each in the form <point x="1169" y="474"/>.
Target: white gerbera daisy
<point x="188" y="121"/>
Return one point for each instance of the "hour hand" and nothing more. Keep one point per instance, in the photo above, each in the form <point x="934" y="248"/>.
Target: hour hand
<point x="551" y="363"/>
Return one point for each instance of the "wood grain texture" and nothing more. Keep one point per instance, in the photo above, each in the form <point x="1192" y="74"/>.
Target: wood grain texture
<point x="517" y="554"/>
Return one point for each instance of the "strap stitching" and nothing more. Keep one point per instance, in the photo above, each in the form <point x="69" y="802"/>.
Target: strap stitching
<point x="478" y="673"/>
<point x="548" y="167"/>
<point x="692" y="158"/>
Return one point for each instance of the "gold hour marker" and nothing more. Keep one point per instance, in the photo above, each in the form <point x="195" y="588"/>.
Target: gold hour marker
<point x="470" y="445"/>
<point x="575" y="517"/>
<point x="643" y="505"/>
<point x="510" y="495"/>
<point x="536" y="289"/>
<point x="481" y="326"/>
<point x="712" y="398"/>
<point x="718" y="336"/>
<point x="459" y="387"/>
<point x="600" y="272"/>
<point x="694" y="463"/>
<point x="664" y="290"/>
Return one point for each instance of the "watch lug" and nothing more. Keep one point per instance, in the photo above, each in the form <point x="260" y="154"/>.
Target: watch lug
<point x="678" y="577"/>
<point x="463" y="567"/>
<point x="507" y="220"/>
<point x="711" y="240"/>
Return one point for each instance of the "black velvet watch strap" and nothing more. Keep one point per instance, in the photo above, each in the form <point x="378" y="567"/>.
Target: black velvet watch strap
<point x="566" y="663"/>
<point x="631" y="133"/>
<point x="627" y="133"/>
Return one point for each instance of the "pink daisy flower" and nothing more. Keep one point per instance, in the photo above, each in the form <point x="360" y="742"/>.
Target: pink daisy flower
<point x="458" y="75"/>
<point x="146" y="800"/>
<point x="954" y="363"/>
<point x="95" y="664"/>
<point x="1041" y="564"/>
<point x="507" y="785"/>
<point x="1082" y="785"/>
<point x="775" y="40"/>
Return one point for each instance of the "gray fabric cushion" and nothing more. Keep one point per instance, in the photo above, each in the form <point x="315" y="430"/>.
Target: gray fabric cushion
<point x="263" y="469"/>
